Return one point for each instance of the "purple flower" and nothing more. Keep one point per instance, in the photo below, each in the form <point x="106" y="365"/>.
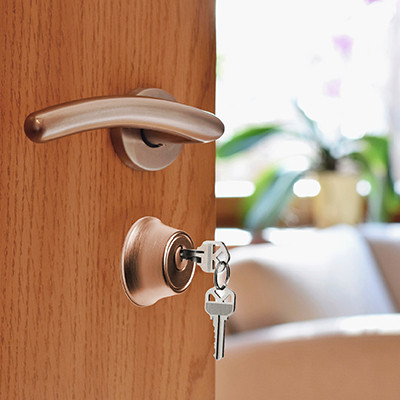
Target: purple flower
<point x="344" y="44"/>
<point x="332" y="88"/>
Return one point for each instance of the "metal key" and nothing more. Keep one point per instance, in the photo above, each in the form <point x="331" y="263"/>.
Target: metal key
<point x="208" y="255"/>
<point x="220" y="309"/>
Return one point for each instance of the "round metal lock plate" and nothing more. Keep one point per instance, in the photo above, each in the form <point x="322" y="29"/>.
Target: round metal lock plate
<point x="150" y="266"/>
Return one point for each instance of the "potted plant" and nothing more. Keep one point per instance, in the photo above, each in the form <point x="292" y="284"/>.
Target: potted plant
<point x="338" y="165"/>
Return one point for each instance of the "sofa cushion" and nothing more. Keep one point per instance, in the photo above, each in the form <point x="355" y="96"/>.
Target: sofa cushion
<point x="351" y="358"/>
<point x="330" y="273"/>
<point x="384" y="241"/>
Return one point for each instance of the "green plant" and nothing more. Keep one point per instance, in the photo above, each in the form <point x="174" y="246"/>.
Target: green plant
<point x="274" y="186"/>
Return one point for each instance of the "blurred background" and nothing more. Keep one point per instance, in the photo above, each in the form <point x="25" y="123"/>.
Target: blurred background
<point x="308" y="92"/>
<point x="308" y="197"/>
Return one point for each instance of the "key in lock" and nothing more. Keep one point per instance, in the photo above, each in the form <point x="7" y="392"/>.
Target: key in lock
<point x="151" y="266"/>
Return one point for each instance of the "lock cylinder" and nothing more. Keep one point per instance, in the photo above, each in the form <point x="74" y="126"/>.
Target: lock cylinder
<point x="151" y="266"/>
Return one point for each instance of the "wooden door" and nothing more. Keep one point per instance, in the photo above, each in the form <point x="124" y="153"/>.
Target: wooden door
<point x="67" y="331"/>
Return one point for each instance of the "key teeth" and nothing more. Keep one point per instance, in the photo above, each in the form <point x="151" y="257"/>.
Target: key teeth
<point x="218" y="352"/>
<point x="215" y="337"/>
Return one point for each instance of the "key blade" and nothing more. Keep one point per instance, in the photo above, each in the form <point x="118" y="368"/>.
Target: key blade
<point x="219" y="337"/>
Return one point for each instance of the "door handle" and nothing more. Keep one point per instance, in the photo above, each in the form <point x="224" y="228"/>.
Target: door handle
<point x="148" y="126"/>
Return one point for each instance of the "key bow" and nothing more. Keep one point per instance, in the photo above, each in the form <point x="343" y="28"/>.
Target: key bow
<point x="211" y="253"/>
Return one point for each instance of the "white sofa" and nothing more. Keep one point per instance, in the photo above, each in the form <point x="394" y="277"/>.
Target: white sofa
<point x="316" y="317"/>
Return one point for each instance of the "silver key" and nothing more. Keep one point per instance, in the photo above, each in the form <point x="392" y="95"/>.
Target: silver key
<point x="208" y="255"/>
<point x="220" y="305"/>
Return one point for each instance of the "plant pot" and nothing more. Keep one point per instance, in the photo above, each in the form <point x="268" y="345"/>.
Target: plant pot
<point x="338" y="201"/>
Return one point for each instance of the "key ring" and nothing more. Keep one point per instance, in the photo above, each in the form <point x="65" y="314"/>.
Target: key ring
<point x="219" y="269"/>
<point x="225" y="252"/>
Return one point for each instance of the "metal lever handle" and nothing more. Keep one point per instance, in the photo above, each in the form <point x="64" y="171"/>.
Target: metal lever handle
<point x="150" y="125"/>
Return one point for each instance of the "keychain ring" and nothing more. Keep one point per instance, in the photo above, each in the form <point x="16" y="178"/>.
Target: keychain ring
<point x="220" y="268"/>
<point x="225" y="251"/>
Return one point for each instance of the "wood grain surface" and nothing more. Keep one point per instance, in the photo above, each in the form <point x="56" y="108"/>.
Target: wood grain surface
<point x="67" y="331"/>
